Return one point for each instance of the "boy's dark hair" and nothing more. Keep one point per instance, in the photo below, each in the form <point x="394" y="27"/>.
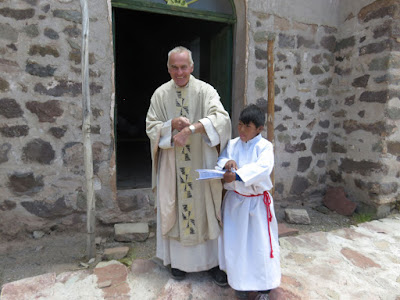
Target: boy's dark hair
<point x="252" y="113"/>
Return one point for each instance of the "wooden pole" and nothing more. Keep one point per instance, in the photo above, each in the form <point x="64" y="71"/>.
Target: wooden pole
<point x="271" y="100"/>
<point x="87" y="145"/>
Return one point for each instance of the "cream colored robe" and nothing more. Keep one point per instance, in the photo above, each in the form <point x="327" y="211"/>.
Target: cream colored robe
<point x="188" y="210"/>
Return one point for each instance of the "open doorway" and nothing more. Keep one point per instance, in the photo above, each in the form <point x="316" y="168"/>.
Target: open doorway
<point x="142" y="41"/>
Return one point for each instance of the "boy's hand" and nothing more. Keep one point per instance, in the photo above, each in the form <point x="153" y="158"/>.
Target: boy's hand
<point x="231" y="164"/>
<point x="229" y="176"/>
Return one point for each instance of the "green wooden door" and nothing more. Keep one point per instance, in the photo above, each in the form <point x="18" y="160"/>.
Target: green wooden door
<point x="136" y="34"/>
<point x="221" y="65"/>
<point x="220" y="44"/>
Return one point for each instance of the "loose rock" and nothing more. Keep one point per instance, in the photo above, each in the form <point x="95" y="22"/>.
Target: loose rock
<point x="128" y="232"/>
<point x="297" y="216"/>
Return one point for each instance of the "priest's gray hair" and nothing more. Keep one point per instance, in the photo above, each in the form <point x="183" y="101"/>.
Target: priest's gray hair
<point x="180" y="49"/>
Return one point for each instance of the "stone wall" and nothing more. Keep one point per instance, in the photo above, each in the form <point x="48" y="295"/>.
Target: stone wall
<point x="336" y="104"/>
<point x="41" y="154"/>
<point x="337" y="108"/>
<point x="304" y="68"/>
<point x="365" y="141"/>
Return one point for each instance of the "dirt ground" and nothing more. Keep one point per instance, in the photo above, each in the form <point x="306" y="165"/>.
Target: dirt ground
<point x="64" y="251"/>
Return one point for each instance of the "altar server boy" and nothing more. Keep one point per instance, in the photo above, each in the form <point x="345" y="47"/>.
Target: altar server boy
<point x="248" y="244"/>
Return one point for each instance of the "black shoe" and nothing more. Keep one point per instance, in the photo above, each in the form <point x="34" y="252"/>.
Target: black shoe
<point x="218" y="276"/>
<point x="177" y="274"/>
<point x="241" y="295"/>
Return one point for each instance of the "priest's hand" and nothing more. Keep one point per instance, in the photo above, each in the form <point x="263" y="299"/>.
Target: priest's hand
<point x="181" y="138"/>
<point x="179" y="123"/>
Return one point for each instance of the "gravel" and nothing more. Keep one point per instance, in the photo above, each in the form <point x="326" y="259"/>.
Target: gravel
<point x="65" y="251"/>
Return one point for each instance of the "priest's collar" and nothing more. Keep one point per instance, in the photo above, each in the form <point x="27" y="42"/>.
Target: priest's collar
<point x="183" y="87"/>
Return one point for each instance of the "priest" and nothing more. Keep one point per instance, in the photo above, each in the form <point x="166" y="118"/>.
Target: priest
<point x="187" y="126"/>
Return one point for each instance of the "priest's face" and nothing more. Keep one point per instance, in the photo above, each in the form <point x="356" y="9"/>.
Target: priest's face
<point x="179" y="68"/>
<point x="248" y="131"/>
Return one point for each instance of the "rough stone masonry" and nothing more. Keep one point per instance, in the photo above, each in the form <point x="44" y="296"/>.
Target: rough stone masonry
<point x="337" y="106"/>
<point x="41" y="153"/>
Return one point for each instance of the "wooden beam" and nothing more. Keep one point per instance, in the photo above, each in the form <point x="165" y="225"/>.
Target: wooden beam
<point x="271" y="100"/>
<point x="162" y="8"/>
<point x="87" y="145"/>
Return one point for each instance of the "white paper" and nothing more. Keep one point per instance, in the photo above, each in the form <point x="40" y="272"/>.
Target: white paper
<point x="210" y="174"/>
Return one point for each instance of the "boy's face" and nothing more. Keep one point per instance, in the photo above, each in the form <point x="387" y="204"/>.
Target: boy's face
<point x="248" y="131"/>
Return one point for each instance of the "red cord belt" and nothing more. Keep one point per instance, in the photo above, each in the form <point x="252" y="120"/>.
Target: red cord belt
<point x="267" y="202"/>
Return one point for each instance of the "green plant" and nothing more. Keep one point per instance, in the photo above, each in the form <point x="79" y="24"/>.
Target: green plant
<point x="129" y="258"/>
<point x="362" y="217"/>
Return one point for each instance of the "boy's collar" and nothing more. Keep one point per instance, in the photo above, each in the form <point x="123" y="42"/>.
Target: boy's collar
<point x="254" y="139"/>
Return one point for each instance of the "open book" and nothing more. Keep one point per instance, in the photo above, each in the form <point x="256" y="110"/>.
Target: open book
<point x="210" y="174"/>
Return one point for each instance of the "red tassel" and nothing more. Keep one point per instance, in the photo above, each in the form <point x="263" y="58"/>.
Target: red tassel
<point x="267" y="202"/>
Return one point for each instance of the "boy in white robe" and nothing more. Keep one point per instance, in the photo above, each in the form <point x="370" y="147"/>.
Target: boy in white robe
<point x="248" y="245"/>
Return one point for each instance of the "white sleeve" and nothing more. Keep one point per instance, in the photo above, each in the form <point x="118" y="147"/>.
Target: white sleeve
<point x="260" y="170"/>
<point x="166" y="136"/>
<point x="211" y="137"/>
<point x="226" y="155"/>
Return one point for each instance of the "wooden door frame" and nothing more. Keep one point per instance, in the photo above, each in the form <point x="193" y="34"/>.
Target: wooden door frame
<point x="240" y="42"/>
<point x="175" y="10"/>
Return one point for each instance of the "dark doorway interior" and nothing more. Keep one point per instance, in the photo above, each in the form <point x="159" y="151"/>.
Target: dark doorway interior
<point x="142" y="42"/>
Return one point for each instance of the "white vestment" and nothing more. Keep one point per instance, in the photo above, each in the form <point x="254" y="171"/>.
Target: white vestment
<point x="246" y="242"/>
<point x="188" y="211"/>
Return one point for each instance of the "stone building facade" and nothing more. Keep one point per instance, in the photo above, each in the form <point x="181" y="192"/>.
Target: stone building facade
<point x="41" y="149"/>
<point x="337" y="106"/>
<point x="337" y="102"/>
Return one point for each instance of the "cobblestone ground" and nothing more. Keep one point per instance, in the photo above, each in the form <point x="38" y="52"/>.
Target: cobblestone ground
<point x="356" y="262"/>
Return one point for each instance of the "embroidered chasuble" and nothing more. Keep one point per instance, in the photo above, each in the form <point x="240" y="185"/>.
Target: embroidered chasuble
<point x="189" y="209"/>
<point x="183" y="155"/>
